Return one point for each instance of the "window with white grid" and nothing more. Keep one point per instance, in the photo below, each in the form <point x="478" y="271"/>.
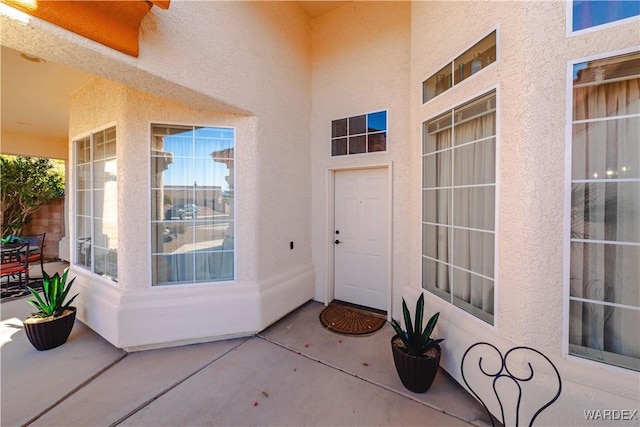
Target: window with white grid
<point x="604" y="301"/>
<point x="458" y="205"/>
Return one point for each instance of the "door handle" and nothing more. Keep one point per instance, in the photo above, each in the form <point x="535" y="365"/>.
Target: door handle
<point x="337" y="242"/>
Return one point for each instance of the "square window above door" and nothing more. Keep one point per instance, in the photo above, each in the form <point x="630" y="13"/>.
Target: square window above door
<point x="361" y="134"/>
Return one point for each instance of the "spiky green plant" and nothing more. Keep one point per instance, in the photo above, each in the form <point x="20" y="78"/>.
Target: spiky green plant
<point x="416" y="341"/>
<point x="54" y="291"/>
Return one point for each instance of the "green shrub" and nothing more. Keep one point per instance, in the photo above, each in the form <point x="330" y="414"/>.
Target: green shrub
<point x="27" y="183"/>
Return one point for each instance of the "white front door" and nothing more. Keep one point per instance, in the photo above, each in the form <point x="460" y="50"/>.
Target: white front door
<point x="361" y="237"/>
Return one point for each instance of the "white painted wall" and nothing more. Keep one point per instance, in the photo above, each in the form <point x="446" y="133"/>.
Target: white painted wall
<point x="238" y="64"/>
<point x="361" y="59"/>
<point x="531" y="78"/>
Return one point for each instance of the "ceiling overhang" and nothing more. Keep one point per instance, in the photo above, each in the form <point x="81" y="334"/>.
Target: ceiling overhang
<point x="115" y="24"/>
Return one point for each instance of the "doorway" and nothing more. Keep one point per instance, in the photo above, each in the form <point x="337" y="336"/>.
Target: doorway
<point x="361" y="237"/>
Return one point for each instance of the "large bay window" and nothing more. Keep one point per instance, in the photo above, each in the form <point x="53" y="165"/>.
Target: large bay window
<point x="458" y="206"/>
<point x="192" y="194"/>
<point x="604" y="308"/>
<point x="96" y="201"/>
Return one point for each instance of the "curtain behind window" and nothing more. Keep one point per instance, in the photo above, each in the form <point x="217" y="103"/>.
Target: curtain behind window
<point x="605" y="215"/>
<point x="474" y="209"/>
<point x="459" y="206"/>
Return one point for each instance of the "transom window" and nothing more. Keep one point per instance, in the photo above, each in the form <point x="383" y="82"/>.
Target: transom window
<point x="366" y="133"/>
<point x="96" y="203"/>
<point x="192" y="209"/>
<point x="474" y="59"/>
<point x="458" y="205"/>
<point x="604" y="302"/>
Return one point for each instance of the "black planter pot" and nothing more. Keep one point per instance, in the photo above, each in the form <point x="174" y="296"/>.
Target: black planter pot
<point x="416" y="373"/>
<point x="48" y="334"/>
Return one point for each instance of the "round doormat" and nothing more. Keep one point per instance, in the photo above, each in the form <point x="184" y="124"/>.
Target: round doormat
<point x="350" y="320"/>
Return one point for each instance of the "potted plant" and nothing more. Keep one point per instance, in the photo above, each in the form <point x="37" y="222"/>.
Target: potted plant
<point x="415" y="353"/>
<point x="51" y="325"/>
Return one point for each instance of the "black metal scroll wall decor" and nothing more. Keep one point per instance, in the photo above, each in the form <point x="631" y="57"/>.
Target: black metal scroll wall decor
<point x="494" y="368"/>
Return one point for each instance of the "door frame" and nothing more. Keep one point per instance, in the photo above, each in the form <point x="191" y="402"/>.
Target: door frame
<point x="330" y="227"/>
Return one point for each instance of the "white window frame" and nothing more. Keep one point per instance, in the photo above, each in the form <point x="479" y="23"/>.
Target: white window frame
<point x="74" y="239"/>
<point x="567" y="205"/>
<point x="569" y="22"/>
<point x="494" y="321"/>
<point x="184" y="285"/>
<point x="366" y="133"/>
<point x="427" y="76"/>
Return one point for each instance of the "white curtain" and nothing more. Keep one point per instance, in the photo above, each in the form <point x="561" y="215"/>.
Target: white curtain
<point x="443" y="209"/>
<point x="474" y="207"/>
<point x="469" y="168"/>
<point x="606" y="209"/>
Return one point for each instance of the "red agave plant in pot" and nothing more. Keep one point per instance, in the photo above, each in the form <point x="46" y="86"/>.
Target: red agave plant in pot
<point x="415" y="354"/>
<point x="51" y="325"/>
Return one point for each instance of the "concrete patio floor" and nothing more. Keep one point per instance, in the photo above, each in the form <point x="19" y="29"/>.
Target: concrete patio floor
<point x="293" y="373"/>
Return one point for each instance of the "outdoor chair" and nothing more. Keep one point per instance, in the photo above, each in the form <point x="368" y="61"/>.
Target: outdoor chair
<point x="15" y="262"/>
<point x="502" y="381"/>
<point x="36" y="255"/>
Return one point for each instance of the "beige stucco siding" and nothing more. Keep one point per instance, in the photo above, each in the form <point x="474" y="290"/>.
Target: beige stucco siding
<point x="256" y="55"/>
<point x="532" y="83"/>
<point x="361" y="58"/>
<point x="279" y="78"/>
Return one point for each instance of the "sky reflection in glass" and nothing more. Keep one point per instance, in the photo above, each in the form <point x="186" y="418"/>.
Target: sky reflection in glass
<point x="193" y="163"/>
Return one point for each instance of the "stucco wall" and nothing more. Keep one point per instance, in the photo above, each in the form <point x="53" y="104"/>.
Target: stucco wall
<point x="257" y="55"/>
<point x="361" y="58"/>
<point x="531" y="79"/>
<point x="253" y="55"/>
<point x="281" y="78"/>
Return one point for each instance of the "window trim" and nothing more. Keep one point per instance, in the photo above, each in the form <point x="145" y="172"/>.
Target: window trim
<point x="427" y="75"/>
<point x="74" y="238"/>
<point x="496" y="248"/>
<point x="237" y="221"/>
<point x="569" y="23"/>
<point x="331" y="138"/>
<point x="566" y="252"/>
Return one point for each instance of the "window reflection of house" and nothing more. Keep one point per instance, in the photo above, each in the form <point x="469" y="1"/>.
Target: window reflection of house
<point x="192" y="239"/>
<point x="161" y="162"/>
<point x="226" y="156"/>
